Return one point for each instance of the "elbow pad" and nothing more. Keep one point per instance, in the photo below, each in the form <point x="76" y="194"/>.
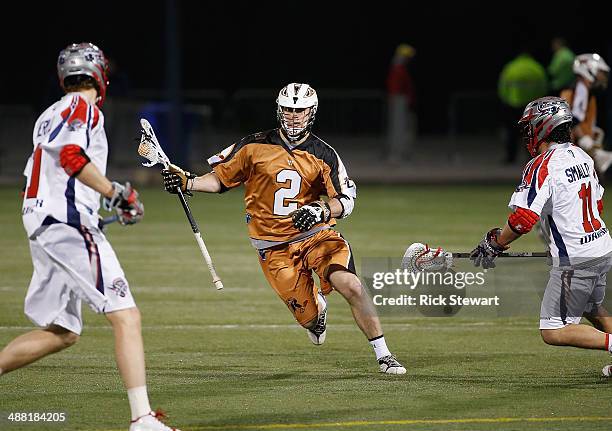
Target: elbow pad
<point x="348" y="203"/>
<point x="73" y="159"/>
<point x="522" y="220"/>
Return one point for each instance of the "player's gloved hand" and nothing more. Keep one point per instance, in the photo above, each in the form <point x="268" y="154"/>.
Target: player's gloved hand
<point x="598" y="137"/>
<point x="586" y="143"/>
<point x="309" y="215"/>
<point x="487" y="250"/>
<point x="175" y="178"/>
<point x="125" y="203"/>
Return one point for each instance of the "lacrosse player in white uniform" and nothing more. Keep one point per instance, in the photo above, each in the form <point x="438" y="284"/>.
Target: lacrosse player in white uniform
<point x="72" y="259"/>
<point x="561" y="189"/>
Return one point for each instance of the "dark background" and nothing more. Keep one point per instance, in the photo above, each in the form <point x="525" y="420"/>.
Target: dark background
<point x="233" y="45"/>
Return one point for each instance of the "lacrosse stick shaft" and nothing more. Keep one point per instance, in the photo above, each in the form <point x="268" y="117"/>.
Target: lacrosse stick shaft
<point x="196" y="232"/>
<point x="109" y="220"/>
<point x="508" y="254"/>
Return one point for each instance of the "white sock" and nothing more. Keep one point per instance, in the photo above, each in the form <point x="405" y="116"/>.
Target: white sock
<point x="380" y="346"/>
<point x="139" y="402"/>
<point x="609" y="342"/>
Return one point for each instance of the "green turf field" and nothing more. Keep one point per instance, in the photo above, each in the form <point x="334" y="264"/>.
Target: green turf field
<point x="236" y="360"/>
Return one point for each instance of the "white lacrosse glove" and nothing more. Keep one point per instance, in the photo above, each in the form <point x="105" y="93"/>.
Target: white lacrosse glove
<point x="309" y="215"/>
<point x="125" y="203"/>
<point x="598" y="136"/>
<point x="419" y="257"/>
<point x="586" y="143"/>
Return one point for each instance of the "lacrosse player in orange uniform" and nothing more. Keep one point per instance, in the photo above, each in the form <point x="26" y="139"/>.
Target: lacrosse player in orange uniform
<point x="285" y="172"/>
<point x="591" y="73"/>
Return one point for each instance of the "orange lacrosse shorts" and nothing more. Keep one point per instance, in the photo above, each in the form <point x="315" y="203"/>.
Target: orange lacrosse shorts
<point x="288" y="268"/>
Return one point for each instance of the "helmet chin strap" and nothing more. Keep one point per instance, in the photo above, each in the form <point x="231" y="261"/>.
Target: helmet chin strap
<point x="296" y="140"/>
<point x="297" y="136"/>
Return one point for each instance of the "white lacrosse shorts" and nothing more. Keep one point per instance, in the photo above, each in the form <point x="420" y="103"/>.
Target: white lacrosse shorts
<point x="571" y="293"/>
<point x="73" y="264"/>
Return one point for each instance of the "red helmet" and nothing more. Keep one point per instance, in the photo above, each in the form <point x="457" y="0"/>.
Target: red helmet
<point x="540" y="118"/>
<point x="84" y="59"/>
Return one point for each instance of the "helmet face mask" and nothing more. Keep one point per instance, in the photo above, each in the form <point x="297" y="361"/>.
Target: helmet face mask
<point x="294" y="121"/>
<point x="84" y="59"/>
<point x="601" y="81"/>
<point x="540" y="118"/>
<point x="526" y="132"/>
<point x="296" y="107"/>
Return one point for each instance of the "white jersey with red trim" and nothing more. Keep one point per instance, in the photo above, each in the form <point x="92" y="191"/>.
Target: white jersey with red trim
<point x="562" y="187"/>
<point x="50" y="191"/>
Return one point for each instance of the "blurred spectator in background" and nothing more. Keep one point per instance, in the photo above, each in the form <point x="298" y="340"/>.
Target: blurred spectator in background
<point x="591" y="72"/>
<point x="401" y="116"/>
<point x="560" y="67"/>
<point x="521" y="81"/>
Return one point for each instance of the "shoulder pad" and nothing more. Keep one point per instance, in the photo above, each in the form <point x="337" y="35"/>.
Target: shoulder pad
<point x="258" y="137"/>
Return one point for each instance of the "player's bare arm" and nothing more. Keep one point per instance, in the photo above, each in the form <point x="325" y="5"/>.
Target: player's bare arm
<point x="119" y="197"/>
<point x="91" y="176"/>
<point x="335" y="207"/>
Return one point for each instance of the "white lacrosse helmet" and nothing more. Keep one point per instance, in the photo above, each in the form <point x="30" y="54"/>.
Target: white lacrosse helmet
<point x="588" y="65"/>
<point x="297" y="96"/>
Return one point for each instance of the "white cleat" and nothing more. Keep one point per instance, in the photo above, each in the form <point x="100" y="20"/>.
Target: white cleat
<point x="319" y="332"/>
<point x="389" y="365"/>
<point x="151" y="422"/>
<point x="607" y="371"/>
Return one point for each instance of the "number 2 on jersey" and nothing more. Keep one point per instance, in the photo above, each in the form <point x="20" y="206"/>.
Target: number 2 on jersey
<point x="295" y="181"/>
<point x="589" y="221"/>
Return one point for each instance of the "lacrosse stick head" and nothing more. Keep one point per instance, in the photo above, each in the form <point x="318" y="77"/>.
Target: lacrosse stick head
<point x="420" y="257"/>
<point x="149" y="147"/>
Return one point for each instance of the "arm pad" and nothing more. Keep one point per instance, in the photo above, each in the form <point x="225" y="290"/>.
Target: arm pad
<point x="522" y="220"/>
<point x="348" y="203"/>
<point x="73" y="159"/>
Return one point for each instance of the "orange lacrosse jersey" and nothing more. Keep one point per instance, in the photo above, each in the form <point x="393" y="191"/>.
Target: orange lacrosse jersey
<point x="583" y="105"/>
<point x="278" y="180"/>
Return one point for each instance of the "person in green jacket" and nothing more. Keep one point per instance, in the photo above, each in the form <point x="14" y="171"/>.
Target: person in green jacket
<point x="522" y="80"/>
<point x="560" y="67"/>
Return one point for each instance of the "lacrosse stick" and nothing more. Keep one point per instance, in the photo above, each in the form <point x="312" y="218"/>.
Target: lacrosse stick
<point x="150" y="149"/>
<point x="464" y="255"/>
<point x="103" y="222"/>
<point x="420" y="257"/>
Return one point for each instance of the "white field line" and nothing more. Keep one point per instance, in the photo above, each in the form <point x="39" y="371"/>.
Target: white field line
<point x="334" y="327"/>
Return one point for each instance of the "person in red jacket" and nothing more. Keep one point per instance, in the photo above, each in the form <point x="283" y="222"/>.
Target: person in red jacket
<point x="401" y="125"/>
